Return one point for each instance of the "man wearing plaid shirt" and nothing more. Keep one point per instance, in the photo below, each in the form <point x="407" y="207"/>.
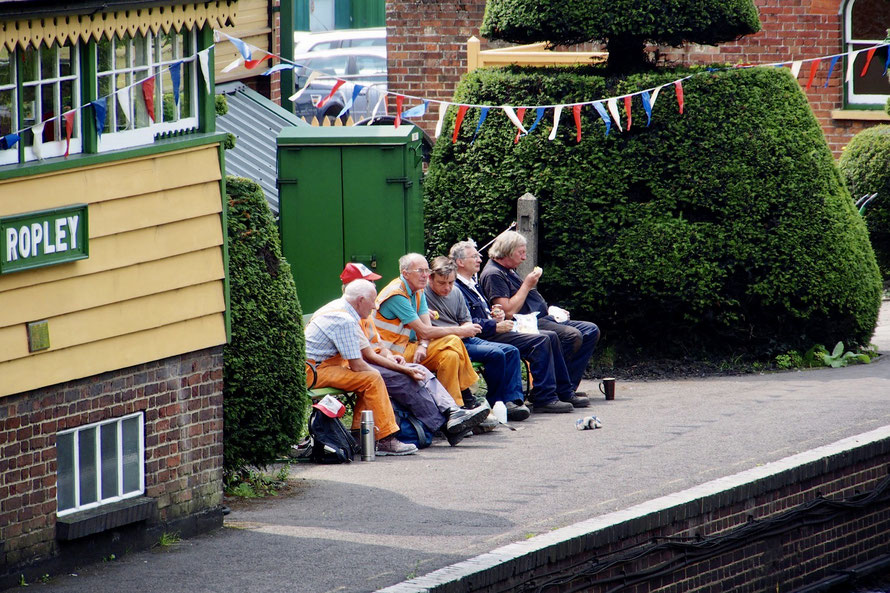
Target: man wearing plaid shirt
<point x="334" y="343"/>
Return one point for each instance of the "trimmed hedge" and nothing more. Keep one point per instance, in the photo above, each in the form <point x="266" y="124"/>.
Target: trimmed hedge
<point x="671" y="22"/>
<point x="864" y="165"/>
<point x="727" y="228"/>
<point x="266" y="403"/>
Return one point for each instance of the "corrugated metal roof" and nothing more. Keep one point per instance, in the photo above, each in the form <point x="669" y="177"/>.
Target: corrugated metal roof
<point x="255" y="121"/>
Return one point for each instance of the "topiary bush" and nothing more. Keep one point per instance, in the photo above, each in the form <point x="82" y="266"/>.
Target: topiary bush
<point x="624" y="25"/>
<point x="726" y="229"/>
<point x="266" y="403"/>
<point x="864" y="165"/>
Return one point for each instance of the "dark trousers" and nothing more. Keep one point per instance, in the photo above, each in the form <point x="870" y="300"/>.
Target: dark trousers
<point x="577" y="340"/>
<point x="550" y="377"/>
<point x="500" y="368"/>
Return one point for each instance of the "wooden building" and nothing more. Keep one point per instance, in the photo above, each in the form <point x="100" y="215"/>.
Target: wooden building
<point x="113" y="287"/>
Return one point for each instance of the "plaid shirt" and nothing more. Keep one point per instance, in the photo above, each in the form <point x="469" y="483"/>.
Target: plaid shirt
<point x="334" y="329"/>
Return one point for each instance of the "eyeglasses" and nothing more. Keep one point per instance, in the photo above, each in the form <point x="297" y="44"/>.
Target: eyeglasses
<point x="422" y="271"/>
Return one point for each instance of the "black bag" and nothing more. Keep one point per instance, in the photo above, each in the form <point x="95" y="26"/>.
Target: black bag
<point x="331" y="442"/>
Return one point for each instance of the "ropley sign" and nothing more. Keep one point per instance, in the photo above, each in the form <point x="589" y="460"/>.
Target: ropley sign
<point x="37" y="239"/>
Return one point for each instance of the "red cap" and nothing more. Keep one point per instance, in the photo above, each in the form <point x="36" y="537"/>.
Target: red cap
<point x="355" y="271"/>
<point x="330" y="407"/>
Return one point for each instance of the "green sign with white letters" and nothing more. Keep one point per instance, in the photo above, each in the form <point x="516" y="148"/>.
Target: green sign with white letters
<point x="45" y="238"/>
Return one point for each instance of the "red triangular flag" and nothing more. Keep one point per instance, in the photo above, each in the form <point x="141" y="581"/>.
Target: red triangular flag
<point x="148" y="93"/>
<point x="520" y="113"/>
<point x="68" y="120"/>
<point x="399" y="100"/>
<point x="461" y="112"/>
<point x="576" y="111"/>
<point x="337" y="85"/>
<point x="679" y="87"/>
<point x="250" y="64"/>
<point x="627" y="110"/>
<point x="868" y="57"/>
<point x="814" y="66"/>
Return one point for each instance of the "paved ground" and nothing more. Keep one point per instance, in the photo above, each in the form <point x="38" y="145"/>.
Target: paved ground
<point x="363" y="526"/>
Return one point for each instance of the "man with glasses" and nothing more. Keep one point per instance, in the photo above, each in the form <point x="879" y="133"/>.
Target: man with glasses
<point x="403" y="322"/>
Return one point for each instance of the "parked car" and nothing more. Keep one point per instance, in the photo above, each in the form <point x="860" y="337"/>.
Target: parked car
<point x="365" y="66"/>
<point x="305" y="42"/>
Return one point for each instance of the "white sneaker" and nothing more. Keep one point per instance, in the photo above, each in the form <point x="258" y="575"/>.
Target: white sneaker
<point x="393" y="446"/>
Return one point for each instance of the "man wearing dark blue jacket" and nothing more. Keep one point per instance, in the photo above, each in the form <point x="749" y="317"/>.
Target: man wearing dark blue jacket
<point x="552" y="390"/>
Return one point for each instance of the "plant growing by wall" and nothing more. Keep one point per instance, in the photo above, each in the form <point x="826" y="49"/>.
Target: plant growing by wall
<point x="265" y="401"/>
<point x="864" y="165"/>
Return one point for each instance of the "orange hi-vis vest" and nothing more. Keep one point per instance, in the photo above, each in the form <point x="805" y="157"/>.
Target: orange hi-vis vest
<point x="394" y="334"/>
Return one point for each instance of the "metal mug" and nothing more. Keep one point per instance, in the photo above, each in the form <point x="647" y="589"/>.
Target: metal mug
<point x="607" y="387"/>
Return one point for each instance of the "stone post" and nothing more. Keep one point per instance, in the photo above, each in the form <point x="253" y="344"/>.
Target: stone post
<point x="527" y="226"/>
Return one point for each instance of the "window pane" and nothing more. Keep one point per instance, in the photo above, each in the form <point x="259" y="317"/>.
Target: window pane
<point x="874" y="81"/>
<point x="29" y="65"/>
<point x="29" y="105"/>
<point x="132" y="458"/>
<point x="65" y="471"/>
<point x="185" y="94"/>
<point x="104" y="53"/>
<point x="67" y="67"/>
<point x="48" y="57"/>
<point x="141" y="47"/>
<point x="870" y="19"/>
<point x="109" y="460"/>
<point x="121" y="53"/>
<point x="49" y="104"/>
<point x="6" y="70"/>
<point x="86" y="442"/>
<point x="7" y="112"/>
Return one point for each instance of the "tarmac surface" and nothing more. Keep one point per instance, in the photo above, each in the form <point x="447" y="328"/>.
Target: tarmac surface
<point x="367" y="525"/>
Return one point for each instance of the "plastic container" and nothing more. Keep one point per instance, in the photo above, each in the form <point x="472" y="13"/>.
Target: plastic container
<point x="500" y="412"/>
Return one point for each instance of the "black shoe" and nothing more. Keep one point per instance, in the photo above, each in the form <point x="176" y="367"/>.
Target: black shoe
<point x="517" y="412"/>
<point x="469" y="399"/>
<point x="579" y="401"/>
<point x="460" y="421"/>
<point x="582" y="394"/>
<point x="555" y="407"/>
<point x="454" y="439"/>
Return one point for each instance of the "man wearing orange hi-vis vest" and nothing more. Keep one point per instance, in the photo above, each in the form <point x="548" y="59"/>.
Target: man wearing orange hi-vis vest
<point x="403" y="322"/>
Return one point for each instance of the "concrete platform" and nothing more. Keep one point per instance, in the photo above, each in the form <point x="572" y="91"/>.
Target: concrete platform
<point x="364" y="526"/>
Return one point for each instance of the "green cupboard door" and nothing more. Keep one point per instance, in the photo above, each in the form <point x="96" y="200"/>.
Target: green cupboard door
<point x="311" y="221"/>
<point x="374" y="212"/>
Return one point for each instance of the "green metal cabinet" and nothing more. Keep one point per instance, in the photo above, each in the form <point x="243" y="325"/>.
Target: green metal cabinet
<point x="350" y="194"/>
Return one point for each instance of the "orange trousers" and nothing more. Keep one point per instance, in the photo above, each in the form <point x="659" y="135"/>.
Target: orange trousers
<point x="372" y="394"/>
<point x="448" y="358"/>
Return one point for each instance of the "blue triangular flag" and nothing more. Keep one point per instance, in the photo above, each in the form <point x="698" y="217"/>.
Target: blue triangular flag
<point x="647" y="106"/>
<point x="242" y="47"/>
<point x="175" y="77"/>
<point x="605" y="116"/>
<point x="482" y="115"/>
<point x="831" y="68"/>
<point x="416" y="111"/>
<point x="100" y="109"/>
<point x="539" y="114"/>
<point x="9" y="141"/>
<point x="278" y="68"/>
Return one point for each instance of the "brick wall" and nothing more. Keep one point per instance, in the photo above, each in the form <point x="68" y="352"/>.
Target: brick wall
<point x="427" y="51"/>
<point x="782" y="526"/>
<point x="181" y="397"/>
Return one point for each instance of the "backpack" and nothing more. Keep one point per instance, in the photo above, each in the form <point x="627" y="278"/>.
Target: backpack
<point x="411" y="430"/>
<point x="331" y="442"/>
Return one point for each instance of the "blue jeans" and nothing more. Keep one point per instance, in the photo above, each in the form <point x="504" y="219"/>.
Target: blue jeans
<point x="501" y="371"/>
<point x="577" y="340"/>
<point x="550" y="377"/>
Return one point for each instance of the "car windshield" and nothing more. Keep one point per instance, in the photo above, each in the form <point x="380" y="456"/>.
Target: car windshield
<point x="334" y="65"/>
<point x="369" y="65"/>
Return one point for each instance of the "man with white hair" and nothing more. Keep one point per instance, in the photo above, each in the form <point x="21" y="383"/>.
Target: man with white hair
<point x="403" y="322"/>
<point x="552" y="389"/>
<point x="503" y="286"/>
<point x="334" y="344"/>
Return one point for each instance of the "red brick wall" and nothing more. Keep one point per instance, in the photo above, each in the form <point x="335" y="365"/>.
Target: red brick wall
<point x="182" y="401"/>
<point x="427" y="51"/>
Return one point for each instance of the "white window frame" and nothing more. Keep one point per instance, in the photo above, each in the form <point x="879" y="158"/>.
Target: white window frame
<point x="97" y="426"/>
<point x="851" y="98"/>
<point x="131" y="137"/>
<point x="55" y="148"/>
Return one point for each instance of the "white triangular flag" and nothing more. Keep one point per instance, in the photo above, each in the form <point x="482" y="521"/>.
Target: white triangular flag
<point x="376" y="108"/>
<point x="556" y="113"/>
<point x="612" y="104"/>
<point x="237" y="62"/>
<point x="654" y="96"/>
<point x="123" y="99"/>
<point x="37" y="146"/>
<point x="443" y="108"/>
<point x="851" y="61"/>
<point x="315" y="74"/>
<point x="512" y="115"/>
<point x="204" y="60"/>
<point x="795" y="68"/>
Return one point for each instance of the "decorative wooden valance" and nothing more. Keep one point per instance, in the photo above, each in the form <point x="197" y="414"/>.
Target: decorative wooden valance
<point x="62" y="29"/>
